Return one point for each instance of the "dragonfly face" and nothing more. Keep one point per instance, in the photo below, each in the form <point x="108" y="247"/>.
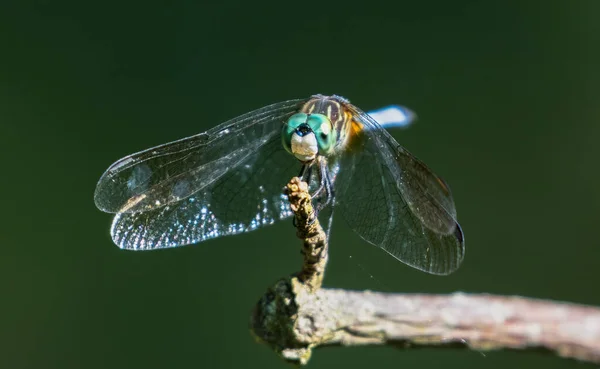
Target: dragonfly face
<point x="229" y="180"/>
<point x="306" y="135"/>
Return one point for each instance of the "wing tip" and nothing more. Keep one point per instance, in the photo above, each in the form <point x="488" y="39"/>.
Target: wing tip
<point x="460" y="237"/>
<point x="458" y="233"/>
<point x="98" y="201"/>
<point x="452" y="267"/>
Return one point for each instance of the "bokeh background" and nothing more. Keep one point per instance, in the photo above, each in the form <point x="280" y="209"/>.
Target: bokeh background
<point x="508" y="99"/>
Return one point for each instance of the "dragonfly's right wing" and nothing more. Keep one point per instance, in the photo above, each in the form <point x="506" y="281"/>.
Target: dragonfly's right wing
<point x="394" y="201"/>
<point x="227" y="180"/>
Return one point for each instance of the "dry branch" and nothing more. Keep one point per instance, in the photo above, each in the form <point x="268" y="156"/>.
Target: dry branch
<point x="295" y="315"/>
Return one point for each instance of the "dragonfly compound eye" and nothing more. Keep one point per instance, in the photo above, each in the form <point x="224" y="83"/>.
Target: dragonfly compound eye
<point x="298" y="137"/>
<point x="324" y="131"/>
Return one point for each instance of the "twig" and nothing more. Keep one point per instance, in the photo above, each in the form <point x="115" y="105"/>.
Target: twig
<point x="310" y="231"/>
<point x="296" y="316"/>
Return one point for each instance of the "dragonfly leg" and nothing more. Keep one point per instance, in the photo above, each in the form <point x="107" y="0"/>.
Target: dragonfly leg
<point x="302" y="172"/>
<point x="323" y="180"/>
<point x="325" y="184"/>
<point x="306" y="173"/>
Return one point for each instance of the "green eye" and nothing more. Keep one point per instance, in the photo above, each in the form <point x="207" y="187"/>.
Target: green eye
<point x="317" y="124"/>
<point x="324" y="132"/>
<point x="290" y="127"/>
<point x="295" y="120"/>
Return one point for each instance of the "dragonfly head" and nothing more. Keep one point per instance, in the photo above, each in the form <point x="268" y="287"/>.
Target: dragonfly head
<point x="307" y="135"/>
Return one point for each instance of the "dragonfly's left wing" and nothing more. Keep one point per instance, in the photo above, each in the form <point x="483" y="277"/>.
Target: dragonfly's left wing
<point x="168" y="173"/>
<point x="394" y="201"/>
<point x="225" y="181"/>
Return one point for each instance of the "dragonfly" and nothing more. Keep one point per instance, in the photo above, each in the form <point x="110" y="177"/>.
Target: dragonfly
<point x="230" y="179"/>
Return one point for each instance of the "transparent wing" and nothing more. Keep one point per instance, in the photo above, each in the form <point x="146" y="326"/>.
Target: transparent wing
<point x="225" y="181"/>
<point x="245" y="198"/>
<point x="392" y="200"/>
<point x="168" y="173"/>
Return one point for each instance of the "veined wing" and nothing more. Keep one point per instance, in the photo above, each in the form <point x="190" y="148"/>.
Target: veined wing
<point x="246" y="197"/>
<point x="168" y="173"/>
<point x="392" y="200"/>
<point x="225" y="181"/>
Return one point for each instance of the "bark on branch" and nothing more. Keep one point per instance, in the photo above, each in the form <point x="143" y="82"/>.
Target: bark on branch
<point x="295" y="315"/>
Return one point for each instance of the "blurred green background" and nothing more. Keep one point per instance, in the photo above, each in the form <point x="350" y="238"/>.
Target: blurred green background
<point x="507" y="95"/>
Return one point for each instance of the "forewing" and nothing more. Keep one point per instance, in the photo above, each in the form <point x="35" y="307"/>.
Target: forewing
<point x="392" y="200"/>
<point x="169" y="173"/>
